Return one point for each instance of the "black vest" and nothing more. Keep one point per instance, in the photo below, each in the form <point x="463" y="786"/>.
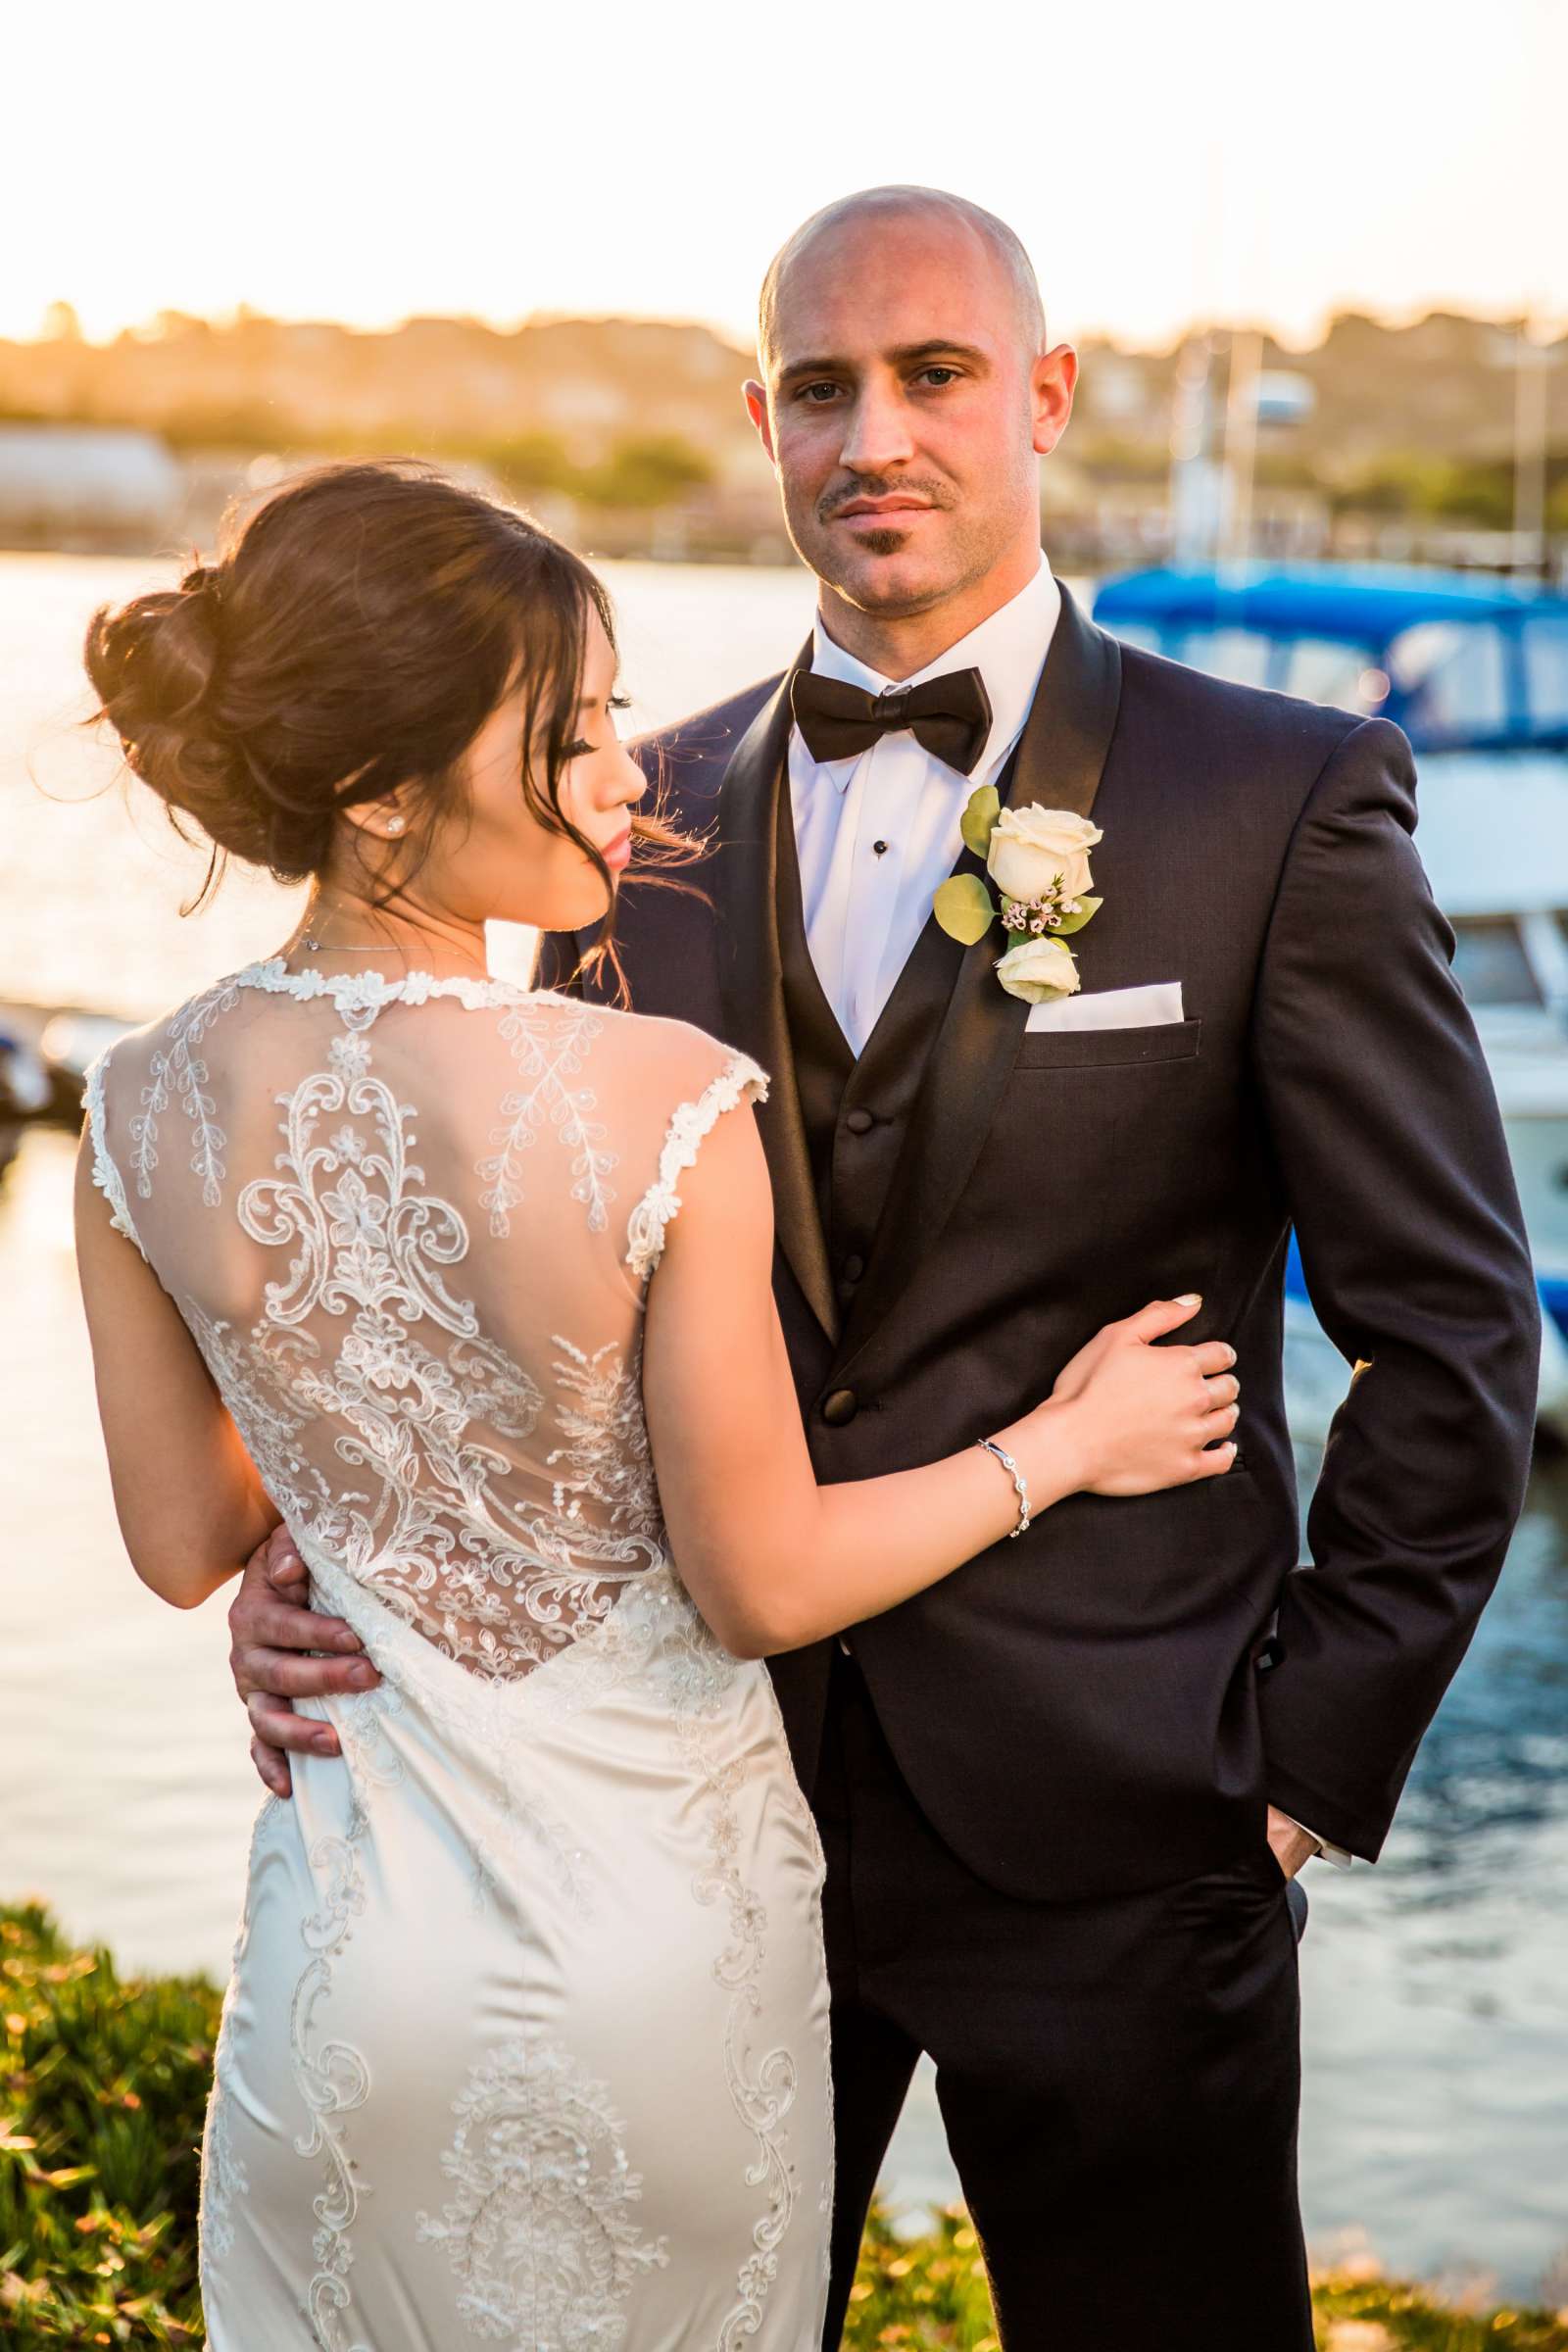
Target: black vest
<point x="856" y="1111"/>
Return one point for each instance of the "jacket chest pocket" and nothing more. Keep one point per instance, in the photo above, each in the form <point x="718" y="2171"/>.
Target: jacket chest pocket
<point x="1108" y="1049"/>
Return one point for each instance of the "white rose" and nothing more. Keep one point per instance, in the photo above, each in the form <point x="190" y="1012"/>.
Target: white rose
<point x="1030" y="846"/>
<point x="1039" y="971"/>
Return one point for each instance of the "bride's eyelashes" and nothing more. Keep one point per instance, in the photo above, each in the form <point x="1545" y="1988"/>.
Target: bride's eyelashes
<point x="582" y="747"/>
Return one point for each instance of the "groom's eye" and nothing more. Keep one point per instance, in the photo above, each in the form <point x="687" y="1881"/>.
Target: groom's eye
<point x="948" y="375"/>
<point x="811" y="391"/>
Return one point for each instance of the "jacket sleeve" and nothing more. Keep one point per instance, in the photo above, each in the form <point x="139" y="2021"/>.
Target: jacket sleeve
<point x="1391" y="1155"/>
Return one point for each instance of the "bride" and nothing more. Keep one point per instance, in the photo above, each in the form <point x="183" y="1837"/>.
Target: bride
<point x="470" y="1284"/>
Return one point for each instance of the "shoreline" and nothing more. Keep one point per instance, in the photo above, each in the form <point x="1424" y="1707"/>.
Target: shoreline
<point x="107" y="2080"/>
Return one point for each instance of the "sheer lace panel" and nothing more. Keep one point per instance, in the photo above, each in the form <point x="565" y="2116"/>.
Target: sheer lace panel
<point x="386" y="1212"/>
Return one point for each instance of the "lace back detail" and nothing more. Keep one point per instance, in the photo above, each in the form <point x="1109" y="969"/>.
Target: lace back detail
<point x="740" y="1080"/>
<point x="433" y="1363"/>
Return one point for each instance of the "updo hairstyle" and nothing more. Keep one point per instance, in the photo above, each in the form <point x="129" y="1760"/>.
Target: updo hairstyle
<point x="352" y="639"/>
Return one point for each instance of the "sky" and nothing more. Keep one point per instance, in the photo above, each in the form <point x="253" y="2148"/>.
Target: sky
<point x="1166" y="164"/>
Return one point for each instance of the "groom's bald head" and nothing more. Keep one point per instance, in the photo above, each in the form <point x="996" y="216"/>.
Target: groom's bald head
<point x="997" y="247"/>
<point x="905" y="400"/>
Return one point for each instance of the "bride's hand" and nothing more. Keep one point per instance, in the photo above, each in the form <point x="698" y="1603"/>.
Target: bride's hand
<point x="1145" y="1417"/>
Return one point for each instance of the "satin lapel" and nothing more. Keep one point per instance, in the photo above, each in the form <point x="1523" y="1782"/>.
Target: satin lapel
<point x="1061" y="755"/>
<point x="745" y="883"/>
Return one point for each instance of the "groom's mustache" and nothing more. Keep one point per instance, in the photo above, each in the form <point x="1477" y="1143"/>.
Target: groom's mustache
<point x="874" y="485"/>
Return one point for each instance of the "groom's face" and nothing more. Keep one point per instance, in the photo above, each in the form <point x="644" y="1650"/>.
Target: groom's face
<point x="903" y="410"/>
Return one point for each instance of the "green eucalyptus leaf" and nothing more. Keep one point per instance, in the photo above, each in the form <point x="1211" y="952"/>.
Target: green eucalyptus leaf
<point x="964" y="908"/>
<point x="980" y="813"/>
<point x="1076" y="923"/>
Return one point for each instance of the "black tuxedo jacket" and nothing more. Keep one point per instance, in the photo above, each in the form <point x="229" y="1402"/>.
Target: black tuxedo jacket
<point x="1097" y="1706"/>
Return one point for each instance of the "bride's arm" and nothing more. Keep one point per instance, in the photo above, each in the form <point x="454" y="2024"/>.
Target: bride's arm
<point x="190" y="1504"/>
<point x="772" y="1560"/>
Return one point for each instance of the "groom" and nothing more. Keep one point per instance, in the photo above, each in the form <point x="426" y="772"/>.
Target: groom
<point x="1062" y="1793"/>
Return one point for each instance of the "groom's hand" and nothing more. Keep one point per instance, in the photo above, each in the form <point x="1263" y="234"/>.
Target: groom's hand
<point x="271" y="1622"/>
<point x="1292" y="1845"/>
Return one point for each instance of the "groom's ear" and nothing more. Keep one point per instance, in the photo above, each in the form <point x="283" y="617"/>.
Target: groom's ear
<point x="757" y="411"/>
<point x="1050" y="389"/>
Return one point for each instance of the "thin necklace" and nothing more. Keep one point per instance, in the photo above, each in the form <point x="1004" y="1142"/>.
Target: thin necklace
<point x="338" y="947"/>
<point x="333" y="947"/>
<point x="313" y="944"/>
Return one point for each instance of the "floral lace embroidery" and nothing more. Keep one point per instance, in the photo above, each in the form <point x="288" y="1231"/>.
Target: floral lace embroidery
<point x="105" y="1174"/>
<point x="431" y="1532"/>
<point x="332" y="2076"/>
<point x="178" y="1064"/>
<point x="762" y="2090"/>
<point x="223" y="2176"/>
<point x="369" y="1241"/>
<point x="548" y="1055"/>
<point x="606" y="1451"/>
<point x="334" y="2079"/>
<point x="739" y="1079"/>
<point x="540" y="2233"/>
<point x="360" y="995"/>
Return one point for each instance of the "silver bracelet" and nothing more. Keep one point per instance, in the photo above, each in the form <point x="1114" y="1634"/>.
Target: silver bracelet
<point x="990" y="1445"/>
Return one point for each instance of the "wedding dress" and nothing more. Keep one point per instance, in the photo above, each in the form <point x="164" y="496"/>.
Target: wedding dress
<point x="526" y="2037"/>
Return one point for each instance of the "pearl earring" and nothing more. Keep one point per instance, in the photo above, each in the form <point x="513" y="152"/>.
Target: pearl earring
<point x="394" y="824"/>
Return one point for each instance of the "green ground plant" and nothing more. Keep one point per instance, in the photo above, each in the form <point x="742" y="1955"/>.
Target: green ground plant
<point x="103" y="2082"/>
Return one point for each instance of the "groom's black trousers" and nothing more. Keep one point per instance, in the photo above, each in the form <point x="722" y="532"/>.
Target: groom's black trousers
<point x="1119" y="2077"/>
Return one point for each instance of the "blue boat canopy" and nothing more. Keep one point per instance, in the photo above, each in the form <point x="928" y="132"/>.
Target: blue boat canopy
<point x="1460" y="663"/>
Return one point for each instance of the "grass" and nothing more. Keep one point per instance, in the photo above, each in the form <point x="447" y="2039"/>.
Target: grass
<point x="103" y="2082"/>
<point x="103" y="2085"/>
<point x="929" y="2296"/>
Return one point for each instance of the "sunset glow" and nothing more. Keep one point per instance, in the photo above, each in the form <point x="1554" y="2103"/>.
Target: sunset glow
<point x="1162" y="164"/>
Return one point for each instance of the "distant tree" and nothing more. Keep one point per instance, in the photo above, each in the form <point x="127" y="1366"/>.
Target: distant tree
<point x="653" y="472"/>
<point x="61" y="323"/>
<point x="525" y="460"/>
<point x="1481" y="495"/>
<point x="1113" y="457"/>
<point x="236" y="426"/>
<point x="1399" y="484"/>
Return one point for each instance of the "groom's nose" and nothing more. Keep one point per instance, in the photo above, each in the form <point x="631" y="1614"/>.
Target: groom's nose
<point x="877" y="436"/>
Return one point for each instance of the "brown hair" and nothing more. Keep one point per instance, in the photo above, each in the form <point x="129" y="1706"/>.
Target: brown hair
<point x="354" y="638"/>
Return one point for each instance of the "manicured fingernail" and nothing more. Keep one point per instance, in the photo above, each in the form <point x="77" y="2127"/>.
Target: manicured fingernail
<point x="1190" y="1298"/>
<point x="325" y="1744"/>
<point x="349" y="1640"/>
<point x="362" y="1674"/>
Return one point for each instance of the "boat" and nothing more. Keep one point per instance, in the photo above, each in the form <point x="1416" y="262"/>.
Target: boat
<point x="1476" y="672"/>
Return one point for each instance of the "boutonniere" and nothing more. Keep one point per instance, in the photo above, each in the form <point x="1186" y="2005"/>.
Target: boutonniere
<point x="1039" y="860"/>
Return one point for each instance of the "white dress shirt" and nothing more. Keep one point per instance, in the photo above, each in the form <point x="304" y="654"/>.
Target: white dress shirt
<point x="865" y="909"/>
<point x="876" y="834"/>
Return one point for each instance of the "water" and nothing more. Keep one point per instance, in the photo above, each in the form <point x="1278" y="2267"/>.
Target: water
<point x="1435" y="2028"/>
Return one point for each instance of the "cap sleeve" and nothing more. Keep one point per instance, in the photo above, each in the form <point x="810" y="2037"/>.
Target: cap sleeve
<point x="105" y="1174"/>
<point x="739" y="1081"/>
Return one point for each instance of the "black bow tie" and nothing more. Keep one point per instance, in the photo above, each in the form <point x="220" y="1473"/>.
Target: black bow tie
<point x="949" y="717"/>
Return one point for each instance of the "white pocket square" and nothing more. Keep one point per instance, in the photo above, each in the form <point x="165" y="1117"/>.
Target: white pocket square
<point x="1112" y="1009"/>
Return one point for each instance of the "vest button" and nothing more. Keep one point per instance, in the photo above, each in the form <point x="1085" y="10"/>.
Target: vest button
<point x="841" y="1406"/>
<point x="853" y="1268"/>
<point x="859" y="1122"/>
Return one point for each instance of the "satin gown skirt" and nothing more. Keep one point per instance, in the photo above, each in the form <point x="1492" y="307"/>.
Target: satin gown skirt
<point x="528" y="2038"/>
